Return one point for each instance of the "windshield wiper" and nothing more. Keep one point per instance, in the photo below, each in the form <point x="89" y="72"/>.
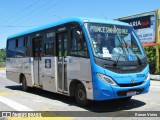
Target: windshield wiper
<point x="138" y="59"/>
<point x="117" y="60"/>
<point x="126" y="46"/>
<point x="121" y="45"/>
<point x="120" y="41"/>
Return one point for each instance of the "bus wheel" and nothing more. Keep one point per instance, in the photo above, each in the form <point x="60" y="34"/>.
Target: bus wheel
<point x="81" y="96"/>
<point x="24" y="84"/>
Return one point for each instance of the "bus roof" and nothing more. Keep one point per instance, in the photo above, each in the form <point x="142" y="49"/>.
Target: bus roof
<point x="80" y="20"/>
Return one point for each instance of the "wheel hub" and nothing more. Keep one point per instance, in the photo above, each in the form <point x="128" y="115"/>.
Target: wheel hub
<point x="81" y="94"/>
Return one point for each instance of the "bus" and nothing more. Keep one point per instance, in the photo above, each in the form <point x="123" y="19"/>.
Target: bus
<point x="87" y="58"/>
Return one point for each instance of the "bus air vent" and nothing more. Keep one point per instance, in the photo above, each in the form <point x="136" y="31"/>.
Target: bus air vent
<point x="130" y="84"/>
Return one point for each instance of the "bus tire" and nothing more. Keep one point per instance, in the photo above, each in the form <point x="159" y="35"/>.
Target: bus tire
<point x="81" y="96"/>
<point x="24" y="84"/>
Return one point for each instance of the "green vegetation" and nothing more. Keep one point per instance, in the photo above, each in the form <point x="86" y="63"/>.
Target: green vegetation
<point x="2" y="54"/>
<point x="151" y="58"/>
<point x="2" y="64"/>
<point x="2" y="57"/>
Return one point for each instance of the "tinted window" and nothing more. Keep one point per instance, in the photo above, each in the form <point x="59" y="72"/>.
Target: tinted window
<point x="49" y="43"/>
<point x="78" y="43"/>
<point x="11" y="44"/>
<point x="21" y="42"/>
<point x="28" y="41"/>
<point x="49" y="48"/>
<point x="28" y="46"/>
<point x="11" y="48"/>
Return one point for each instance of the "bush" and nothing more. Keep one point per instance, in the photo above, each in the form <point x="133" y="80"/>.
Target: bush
<point x="2" y="58"/>
<point x="151" y="58"/>
<point x="2" y="54"/>
<point x="2" y="64"/>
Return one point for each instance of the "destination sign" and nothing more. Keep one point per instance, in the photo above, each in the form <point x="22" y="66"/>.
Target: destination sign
<point x="106" y="29"/>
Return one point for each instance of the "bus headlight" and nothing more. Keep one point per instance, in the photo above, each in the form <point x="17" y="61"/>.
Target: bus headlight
<point x="147" y="77"/>
<point x="106" y="79"/>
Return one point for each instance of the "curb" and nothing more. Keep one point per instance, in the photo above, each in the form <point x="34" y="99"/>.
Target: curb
<point x="155" y="77"/>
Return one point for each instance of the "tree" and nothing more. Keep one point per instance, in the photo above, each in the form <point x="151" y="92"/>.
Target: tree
<point x="2" y="54"/>
<point x="151" y="58"/>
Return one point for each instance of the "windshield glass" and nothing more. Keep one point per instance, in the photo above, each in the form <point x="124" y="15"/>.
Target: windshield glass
<point x="114" y="42"/>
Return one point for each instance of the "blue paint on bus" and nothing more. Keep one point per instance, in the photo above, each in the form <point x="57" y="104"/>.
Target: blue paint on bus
<point x="80" y="20"/>
<point x="102" y="90"/>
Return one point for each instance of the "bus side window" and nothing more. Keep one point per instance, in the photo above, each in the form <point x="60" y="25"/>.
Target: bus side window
<point x="20" y="47"/>
<point x="49" y="49"/>
<point x="11" y="44"/>
<point x="28" y="46"/>
<point x="78" y="43"/>
<point x="21" y="43"/>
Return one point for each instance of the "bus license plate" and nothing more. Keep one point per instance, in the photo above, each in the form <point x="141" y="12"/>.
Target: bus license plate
<point x="131" y="93"/>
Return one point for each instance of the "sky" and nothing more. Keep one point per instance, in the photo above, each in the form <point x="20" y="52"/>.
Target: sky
<point x="21" y="15"/>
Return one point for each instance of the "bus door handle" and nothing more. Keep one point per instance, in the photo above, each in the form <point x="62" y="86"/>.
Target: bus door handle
<point x="59" y="62"/>
<point x="65" y="59"/>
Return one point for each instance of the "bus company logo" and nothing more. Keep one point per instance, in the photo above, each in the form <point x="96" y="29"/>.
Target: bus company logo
<point x="6" y="114"/>
<point x="132" y="80"/>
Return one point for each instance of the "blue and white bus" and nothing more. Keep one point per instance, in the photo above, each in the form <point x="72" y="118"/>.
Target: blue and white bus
<point x="91" y="59"/>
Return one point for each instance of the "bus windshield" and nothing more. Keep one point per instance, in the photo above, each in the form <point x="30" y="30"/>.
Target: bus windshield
<point x="114" y="42"/>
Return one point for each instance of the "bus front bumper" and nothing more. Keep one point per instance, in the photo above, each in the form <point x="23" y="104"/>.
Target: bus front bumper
<point x="106" y="92"/>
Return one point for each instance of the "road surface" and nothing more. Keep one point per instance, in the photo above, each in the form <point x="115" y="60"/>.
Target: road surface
<point x="12" y="98"/>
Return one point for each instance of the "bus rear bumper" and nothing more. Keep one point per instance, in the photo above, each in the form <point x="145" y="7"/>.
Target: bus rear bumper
<point x="107" y="92"/>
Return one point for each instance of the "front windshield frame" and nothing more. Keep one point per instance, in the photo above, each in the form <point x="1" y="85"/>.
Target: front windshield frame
<point x="132" y="32"/>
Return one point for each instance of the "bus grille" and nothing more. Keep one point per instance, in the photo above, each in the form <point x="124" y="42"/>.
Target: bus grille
<point x="124" y="93"/>
<point x="130" y="85"/>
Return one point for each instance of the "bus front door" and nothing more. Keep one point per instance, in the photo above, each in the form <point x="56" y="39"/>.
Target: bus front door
<point x="37" y="54"/>
<point x="62" y="62"/>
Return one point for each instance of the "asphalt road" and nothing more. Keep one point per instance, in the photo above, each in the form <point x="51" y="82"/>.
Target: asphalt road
<point x="12" y="98"/>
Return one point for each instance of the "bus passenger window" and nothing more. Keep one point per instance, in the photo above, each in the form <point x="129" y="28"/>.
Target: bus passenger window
<point x="21" y="43"/>
<point x="28" y="46"/>
<point x="28" y="41"/>
<point x="78" y="44"/>
<point x="20" y="47"/>
<point x="11" y="44"/>
<point x="11" y="48"/>
<point x="49" y="49"/>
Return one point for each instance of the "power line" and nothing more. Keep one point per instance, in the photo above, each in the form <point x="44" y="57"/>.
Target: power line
<point x="38" y="12"/>
<point x="15" y="19"/>
<point x="21" y="11"/>
<point x="44" y="4"/>
<point x="21" y="16"/>
<point x="48" y="8"/>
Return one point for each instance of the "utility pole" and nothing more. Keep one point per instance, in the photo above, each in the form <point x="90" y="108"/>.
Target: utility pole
<point x="158" y="41"/>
